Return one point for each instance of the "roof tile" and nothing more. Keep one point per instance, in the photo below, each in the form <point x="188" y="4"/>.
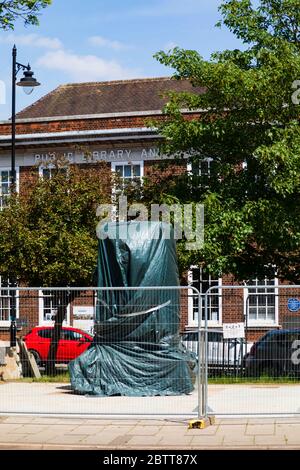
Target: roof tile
<point x="76" y="99"/>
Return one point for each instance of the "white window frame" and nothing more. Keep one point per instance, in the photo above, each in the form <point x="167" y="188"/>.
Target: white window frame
<point x="192" y="322"/>
<point x="43" y="167"/>
<point x="17" y="181"/>
<point x="190" y="168"/>
<point x="42" y="321"/>
<point x="115" y="191"/>
<point x="131" y="163"/>
<point x="50" y="167"/>
<point x="6" y="323"/>
<point x="260" y="322"/>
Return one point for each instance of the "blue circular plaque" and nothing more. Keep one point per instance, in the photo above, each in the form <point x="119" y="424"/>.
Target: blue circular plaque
<point x="294" y="305"/>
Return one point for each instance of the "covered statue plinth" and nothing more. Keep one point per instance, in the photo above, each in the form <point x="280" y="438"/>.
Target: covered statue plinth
<point x="136" y="350"/>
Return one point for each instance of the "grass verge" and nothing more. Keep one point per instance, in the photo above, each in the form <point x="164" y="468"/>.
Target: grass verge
<point x="264" y="379"/>
<point x="59" y="378"/>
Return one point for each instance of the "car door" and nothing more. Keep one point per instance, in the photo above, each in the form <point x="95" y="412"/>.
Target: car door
<point x="71" y="345"/>
<point x="43" y="341"/>
<point x="211" y="347"/>
<point x="286" y="363"/>
<point x="64" y="346"/>
<point x="190" y="341"/>
<point x="221" y="348"/>
<point x="81" y="343"/>
<point x="234" y="351"/>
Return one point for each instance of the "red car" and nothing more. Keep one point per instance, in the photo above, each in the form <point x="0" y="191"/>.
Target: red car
<point x="73" y="342"/>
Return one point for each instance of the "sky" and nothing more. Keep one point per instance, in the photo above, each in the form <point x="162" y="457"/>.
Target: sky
<point x="99" y="40"/>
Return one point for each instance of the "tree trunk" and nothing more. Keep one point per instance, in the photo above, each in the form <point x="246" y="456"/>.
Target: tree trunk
<point x="61" y="300"/>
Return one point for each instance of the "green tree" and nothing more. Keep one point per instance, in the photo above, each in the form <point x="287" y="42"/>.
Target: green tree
<point x="249" y="126"/>
<point x="26" y="10"/>
<point x="48" y="234"/>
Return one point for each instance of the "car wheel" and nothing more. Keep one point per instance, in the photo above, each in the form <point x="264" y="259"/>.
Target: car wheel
<point x="36" y="356"/>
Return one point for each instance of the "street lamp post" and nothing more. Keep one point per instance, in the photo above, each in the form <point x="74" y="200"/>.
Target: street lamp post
<point x="28" y="83"/>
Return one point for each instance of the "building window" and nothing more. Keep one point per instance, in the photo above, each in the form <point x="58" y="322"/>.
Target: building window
<point x="202" y="281"/>
<point x="5" y="186"/>
<point x="262" y="302"/>
<point x="48" y="308"/>
<point x="128" y="172"/>
<point x="7" y="300"/>
<point x="201" y="167"/>
<point x="48" y="171"/>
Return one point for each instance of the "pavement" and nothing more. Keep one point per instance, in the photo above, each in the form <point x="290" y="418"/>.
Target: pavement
<point x="236" y="399"/>
<point x="49" y="433"/>
<point x="51" y="416"/>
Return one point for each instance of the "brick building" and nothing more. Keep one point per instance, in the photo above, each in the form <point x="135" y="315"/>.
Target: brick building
<point x="110" y="120"/>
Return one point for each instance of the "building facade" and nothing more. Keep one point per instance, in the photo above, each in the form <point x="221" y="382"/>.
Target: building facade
<point x="107" y="121"/>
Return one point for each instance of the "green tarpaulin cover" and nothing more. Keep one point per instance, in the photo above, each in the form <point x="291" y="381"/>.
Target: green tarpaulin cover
<point x="136" y="349"/>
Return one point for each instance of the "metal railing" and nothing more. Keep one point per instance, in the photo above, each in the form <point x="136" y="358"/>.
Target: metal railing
<point x="258" y="373"/>
<point x="84" y="313"/>
<point x="269" y="381"/>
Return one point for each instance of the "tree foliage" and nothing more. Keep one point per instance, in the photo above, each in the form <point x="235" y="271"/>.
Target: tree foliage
<point x="249" y="127"/>
<point x="48" y="236"/>
<point x="26" y="10"/>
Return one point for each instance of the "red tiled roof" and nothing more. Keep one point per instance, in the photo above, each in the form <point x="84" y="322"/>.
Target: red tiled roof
<point x="123" y="96"/>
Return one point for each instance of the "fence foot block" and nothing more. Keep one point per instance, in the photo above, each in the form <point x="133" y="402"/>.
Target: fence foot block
<point x="201" y="423"/>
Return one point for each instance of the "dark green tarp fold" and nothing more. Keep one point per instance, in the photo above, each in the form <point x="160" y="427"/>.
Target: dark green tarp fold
<point x="136" y="349"/>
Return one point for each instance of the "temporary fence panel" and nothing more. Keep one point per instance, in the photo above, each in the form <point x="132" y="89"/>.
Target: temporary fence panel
<point x="105" y="345"/>
<point x="267" y="378"/>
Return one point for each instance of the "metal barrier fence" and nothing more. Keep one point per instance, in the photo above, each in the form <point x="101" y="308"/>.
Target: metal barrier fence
<point x="257" y="373"/>
<point x="268" y="383"/>
<point x="224" y="355"/>
<point x="148" y="321"/>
